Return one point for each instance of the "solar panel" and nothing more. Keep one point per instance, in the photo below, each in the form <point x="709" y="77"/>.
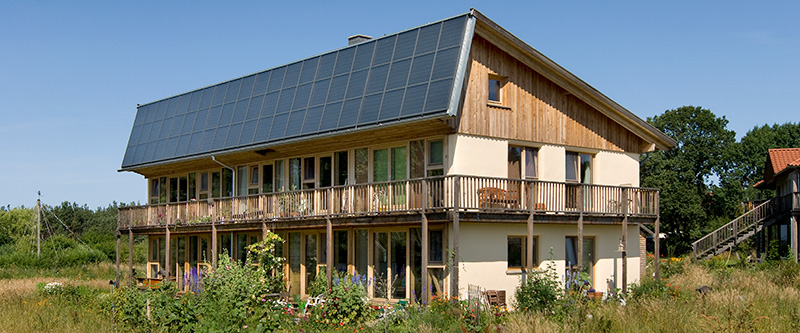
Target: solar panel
<point x="407" y="74"/>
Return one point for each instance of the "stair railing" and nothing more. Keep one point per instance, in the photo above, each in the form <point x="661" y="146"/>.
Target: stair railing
<point x="730" y="231"/>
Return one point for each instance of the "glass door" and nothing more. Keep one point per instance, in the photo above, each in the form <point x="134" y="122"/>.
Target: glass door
<point x="390" y="264"/>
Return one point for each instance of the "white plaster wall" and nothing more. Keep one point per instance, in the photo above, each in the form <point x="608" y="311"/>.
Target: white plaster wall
<point x="477" y="156"/>
<point x="615" y="168"/>
<point x="552" y="163"/>
<point x="483" y="258"/>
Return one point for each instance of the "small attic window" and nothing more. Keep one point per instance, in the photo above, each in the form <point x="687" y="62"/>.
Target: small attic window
<point x="495" y="89"/>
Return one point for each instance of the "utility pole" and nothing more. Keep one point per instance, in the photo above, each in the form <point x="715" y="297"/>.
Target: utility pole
<point x="38" y="225"/>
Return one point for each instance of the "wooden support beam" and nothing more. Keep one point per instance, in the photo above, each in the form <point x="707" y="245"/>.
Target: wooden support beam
<point x="529" y="250"/>
<point x="793" y="230"/>
<point x="214" y="244"/>
<point x="456" y="232"/>
<point x="264" y="230"/>
<point x="130" y="257"/>
<point x="579" y="246"/>
<point x="625" y="240"/>
<point x="329" y="250"/>
<point x="116" y="282"/>
<point x="166" y="252"/>
<point x="657" y="250"/>
<point x="425" y="246"/>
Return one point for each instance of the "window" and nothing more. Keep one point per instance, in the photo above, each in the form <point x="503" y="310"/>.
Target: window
<point x="192" y="186"/>
<point x="204" y="185"/>
<point x="279" y="182"/>
<point x="579" y="167"/>
<point x="572" y="254"/>
<point x="362" y="165"/>
<point x="435" y="246"/>
<point x="308" y="172"/>
<point x="154" y="190"/>
<point x="340" y="250"/>
<point x="517" y="252"/>
<point x="266" y="185"/>
<point x="325" y="171"/>
<point x="241" y="175"/>
<point x="435" y="158"/>
<point x="522" y="162"/>
<point x="495" y="89"/>
<point x="340" y="169"/>
<point x="254" y="175"/>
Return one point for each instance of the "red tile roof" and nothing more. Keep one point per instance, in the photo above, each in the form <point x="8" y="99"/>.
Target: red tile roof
<point x="784" y="157"/>
<point x="778" y="160"/>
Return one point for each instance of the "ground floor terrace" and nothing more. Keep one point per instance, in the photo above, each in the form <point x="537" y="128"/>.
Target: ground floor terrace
<point x="414" y="238"/>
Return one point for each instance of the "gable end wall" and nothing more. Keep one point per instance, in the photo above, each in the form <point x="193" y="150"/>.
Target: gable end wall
<point x="535" y="109"/>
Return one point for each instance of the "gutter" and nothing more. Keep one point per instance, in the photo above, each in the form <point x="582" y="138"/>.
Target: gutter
<point x="233" y="172"/>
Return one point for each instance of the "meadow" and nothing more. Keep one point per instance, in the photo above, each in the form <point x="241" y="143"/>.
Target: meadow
<point x="744" y="298"/>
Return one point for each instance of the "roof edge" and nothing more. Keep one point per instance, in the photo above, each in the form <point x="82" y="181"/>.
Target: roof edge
<point x="133" y="168"/>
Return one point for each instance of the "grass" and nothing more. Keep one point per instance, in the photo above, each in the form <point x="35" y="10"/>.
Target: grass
<point x="745" y="298"/>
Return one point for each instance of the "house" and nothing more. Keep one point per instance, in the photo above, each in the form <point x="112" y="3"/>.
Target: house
<point x="773" y="219"/>
<point x="447" y="155"/>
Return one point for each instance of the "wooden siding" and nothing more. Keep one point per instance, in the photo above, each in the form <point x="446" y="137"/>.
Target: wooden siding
<point x="533" y="107"/>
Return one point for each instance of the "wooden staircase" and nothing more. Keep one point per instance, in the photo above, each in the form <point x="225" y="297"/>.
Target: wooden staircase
<point x="734" y="232"/>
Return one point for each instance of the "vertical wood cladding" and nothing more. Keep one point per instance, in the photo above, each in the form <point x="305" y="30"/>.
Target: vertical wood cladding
<point x="533" y="107"/>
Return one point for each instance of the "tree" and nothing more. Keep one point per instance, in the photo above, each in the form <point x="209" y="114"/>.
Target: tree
<point x="748" y="158"/>
<point x="688" y="175"/>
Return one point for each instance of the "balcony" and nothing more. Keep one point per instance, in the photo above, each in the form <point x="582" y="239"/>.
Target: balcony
<point x="467" y="194"/>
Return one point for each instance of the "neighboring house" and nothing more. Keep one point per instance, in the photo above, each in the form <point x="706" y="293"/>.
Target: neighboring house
<point x="452" y="144"/>
<point x="774" y="219"/>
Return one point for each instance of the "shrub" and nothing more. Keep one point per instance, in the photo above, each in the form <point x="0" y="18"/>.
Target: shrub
<point x="540" y="291"/>
<point x="652" y="288"/>
<point x="345" y="302"/>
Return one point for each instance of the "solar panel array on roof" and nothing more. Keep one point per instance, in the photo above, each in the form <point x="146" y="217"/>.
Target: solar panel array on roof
<point x="399" y="76"/>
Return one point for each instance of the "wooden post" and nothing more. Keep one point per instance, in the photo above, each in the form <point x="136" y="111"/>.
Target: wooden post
<point x="116" y="282"/>
<point x="130" y="256"/>
<point x="456" y="232"/>
<point x="39" y="226"/>
<point x="579" y="246"/>
<point x="657" y="250"/>
<point x="529" y="250"/>
<point x="166" y="252"/>
<point x="329" y="247"/>
<point x="625" y="240"/>
<point x="793" y="230"/>
<point x="425" y="245"/>
<point x="213" y="244"/>
<point x="263" y="231"/>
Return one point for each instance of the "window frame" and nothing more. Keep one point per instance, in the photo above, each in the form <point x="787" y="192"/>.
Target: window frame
<point x="523" y="255"/>
<point x="500" y="91"/>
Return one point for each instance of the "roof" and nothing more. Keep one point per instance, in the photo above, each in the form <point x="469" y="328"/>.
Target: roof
<point x="778" y="161"/>
<point x="409" y="74"/>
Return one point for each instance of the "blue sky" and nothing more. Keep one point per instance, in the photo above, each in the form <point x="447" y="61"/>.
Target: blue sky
<point x="71" y="73"/>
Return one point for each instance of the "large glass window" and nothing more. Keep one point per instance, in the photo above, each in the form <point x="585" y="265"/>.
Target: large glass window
<point x="267" y="180"/>
<point x="294" y="174"/>
<point x="522" y="162"/>
<point x="241" y="176"/>
<point x="435" y="158"/>
<point x="173" y="189"/>
<point x="308" y="173"/>
<point x="362" y="165"/>
<point x="340" y="250"/>
<point x="325" y="171"/>
<point x="380" y="165"/>
<point x="518" y="252"/>
<point x="280" y="184"/>
<point x="572" y="254"/>
<point x="311" y="259"/>
<point x="417" y="159"/>
<point x="340" y="170"/>
<point x="227" y="182"/>
<point x="192" y="186"/>
<point x="362" y="251"/>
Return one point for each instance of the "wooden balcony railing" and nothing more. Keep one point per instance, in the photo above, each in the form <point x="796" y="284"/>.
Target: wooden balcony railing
<point x="414" y="195"/>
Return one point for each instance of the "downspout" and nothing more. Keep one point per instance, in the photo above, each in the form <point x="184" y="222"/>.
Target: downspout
<point x="233" y="172"/>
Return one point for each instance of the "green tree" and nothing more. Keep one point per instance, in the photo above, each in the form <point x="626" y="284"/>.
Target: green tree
<point x="689" y="175"/>
<point x="748" y="158"/>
